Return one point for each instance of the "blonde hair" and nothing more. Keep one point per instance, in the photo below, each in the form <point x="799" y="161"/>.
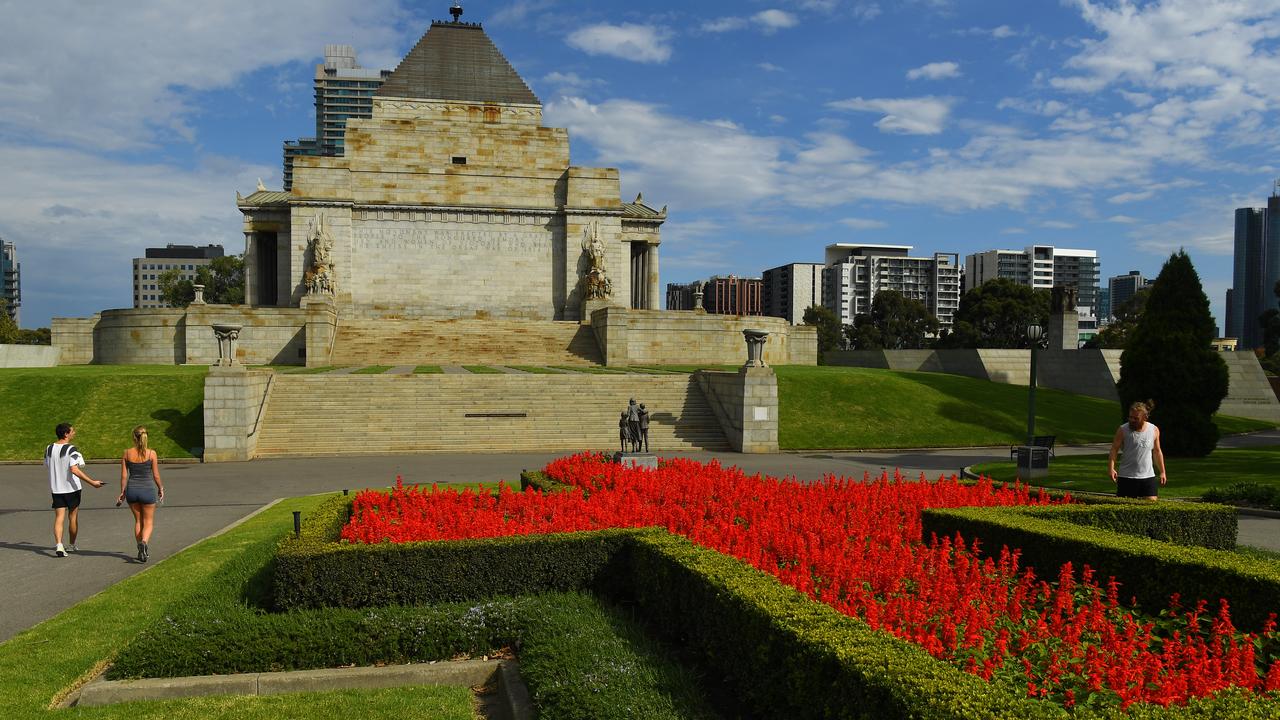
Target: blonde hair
<point x="1145" y="407"/>
<point x="140" y="440"/>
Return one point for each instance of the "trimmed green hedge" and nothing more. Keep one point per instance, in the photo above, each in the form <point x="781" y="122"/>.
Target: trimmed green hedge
<point x="314" y="571"/>
<point x="1149" y="570"/>
<point x="539" y="480"/>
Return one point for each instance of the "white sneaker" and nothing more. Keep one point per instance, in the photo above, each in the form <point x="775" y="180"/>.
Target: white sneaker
<point x="60" y="551"/>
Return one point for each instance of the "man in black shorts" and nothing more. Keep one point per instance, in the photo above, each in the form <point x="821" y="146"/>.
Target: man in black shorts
<point x="64" y="462"/>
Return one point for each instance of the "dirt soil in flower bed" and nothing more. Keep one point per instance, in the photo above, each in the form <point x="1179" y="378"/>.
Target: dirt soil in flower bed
<point x="857" y="547"/>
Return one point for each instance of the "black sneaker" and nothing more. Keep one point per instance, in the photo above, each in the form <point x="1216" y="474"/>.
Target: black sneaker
<point x="146" y="552"/>
<point x="139" y="555"/>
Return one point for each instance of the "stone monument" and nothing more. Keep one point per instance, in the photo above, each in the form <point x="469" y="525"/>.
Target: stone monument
<point x="1064" y="322"/>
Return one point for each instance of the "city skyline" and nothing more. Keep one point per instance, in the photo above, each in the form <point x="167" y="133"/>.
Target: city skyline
<point x="769" y="129"/>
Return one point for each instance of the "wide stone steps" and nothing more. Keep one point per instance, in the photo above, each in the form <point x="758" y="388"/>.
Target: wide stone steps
<point x="480" y="342"/>
<point x="318" y="415"/>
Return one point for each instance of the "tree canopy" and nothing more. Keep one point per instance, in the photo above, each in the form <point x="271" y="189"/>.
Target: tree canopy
<point x="223" y="280"/>
<point x="1170" y="359"/>
<point x="828" y="328"/>
<point x="996" y="315"/>
<point x="8" y="328"/>
<point x="1116" y="335"/>
<point x="896" y="322"/>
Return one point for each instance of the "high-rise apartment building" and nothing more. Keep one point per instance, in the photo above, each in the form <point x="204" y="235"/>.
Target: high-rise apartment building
<point x="10" y="278"/>
<point x="343" y="90"/>
<point x="1123" y="288"/>
<point x="789" y="290"/>
<point x="855" y="273"/>
<point x="147" y="270"/>
<point x="1042" y="267"/>
<point x="730" y="295"/>
<point x="1104" y="311"/>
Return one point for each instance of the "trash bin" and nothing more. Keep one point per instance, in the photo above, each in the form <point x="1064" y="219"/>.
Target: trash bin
<point x="1033" y="461"/>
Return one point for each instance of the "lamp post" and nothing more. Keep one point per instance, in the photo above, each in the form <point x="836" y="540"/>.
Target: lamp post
<point x="1034" y="333"/>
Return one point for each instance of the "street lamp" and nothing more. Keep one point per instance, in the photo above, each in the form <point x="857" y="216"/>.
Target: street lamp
<point x="1034" y="333"/>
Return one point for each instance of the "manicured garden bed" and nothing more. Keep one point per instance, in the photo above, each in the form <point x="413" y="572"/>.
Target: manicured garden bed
<point x="855" y="548"/>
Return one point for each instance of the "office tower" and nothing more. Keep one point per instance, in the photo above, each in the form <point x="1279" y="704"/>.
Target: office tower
<point x="1230" y="312"/>
<point x="1042" y="267"/>
<point x="1104" y="312"/>
<point x="1124" y="287"/>
<point x="1251" y="294"/>
<point x="147" y="270"/>
<point x="343" y="90"/>
<point x="788" y="290"/>
<point x="854" y="273"/>
<point x="10" y="278"/>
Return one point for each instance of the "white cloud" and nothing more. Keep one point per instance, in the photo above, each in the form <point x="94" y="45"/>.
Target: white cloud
<point x="640" y="43"/>
<point x="1013" y="231"/>
<point x="1122" y="219"/>
<point x="77" y="219"/>
<point x="1057" y="225"/>
<point x="767" y="21"/>
<point x="905" y="116"/>
<point x="863" y="223"/>
<point x="935" y="71"/>
<point x="570" y="82"/>
<point x="769" y="67"/>
<point x="122" y="75"/>
<point x="1003" y="31"/>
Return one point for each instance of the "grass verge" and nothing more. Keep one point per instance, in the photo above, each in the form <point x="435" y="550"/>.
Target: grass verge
<point x="104" y="403"/>
<point x="821" y="407"/>
<point x="1188" y="477"/>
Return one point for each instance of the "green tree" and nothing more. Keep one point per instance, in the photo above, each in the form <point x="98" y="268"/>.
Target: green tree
<point x="1117" y="334"/>
<point x="896" y="322"/>
<point x="1270" y="321"/>
<point x="36" y="336"/>
<point x="223" y="280"/>
<point x="996" y="315"/>
<point x="8" y="328"/>
<point x="1170" y="359"/>
<point x="828" y="328"/>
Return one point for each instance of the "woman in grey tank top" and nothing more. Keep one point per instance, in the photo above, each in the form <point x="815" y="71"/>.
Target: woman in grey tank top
<point x="141" y="487"/>
<point x="1140" y="442"/>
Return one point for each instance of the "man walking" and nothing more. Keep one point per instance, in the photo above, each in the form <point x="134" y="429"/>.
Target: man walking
<point x="64" y="462"/>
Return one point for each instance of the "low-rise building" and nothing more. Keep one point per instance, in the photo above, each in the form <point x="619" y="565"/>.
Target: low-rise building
<point x="788" y="290"/>
<point x="147" y="270"/>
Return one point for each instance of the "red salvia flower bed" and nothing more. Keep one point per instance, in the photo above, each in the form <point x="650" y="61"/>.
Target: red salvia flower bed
<point x="857" y="546"/>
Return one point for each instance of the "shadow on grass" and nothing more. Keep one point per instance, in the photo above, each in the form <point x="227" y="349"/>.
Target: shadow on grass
<point x="186" y="430"/>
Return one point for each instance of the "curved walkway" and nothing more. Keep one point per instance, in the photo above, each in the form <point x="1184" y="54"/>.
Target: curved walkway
<point x="202" y="499"/>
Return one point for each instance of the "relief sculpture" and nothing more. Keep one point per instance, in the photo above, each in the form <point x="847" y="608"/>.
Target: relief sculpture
<point x="321" y="278"/>
<point x="597" y="281"/>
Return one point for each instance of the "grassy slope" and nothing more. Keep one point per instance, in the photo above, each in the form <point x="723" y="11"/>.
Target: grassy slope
<point x="104" y="403"/>
<point x="1188" y="477"/>
<point x="41" y="662"/>
<point x="842" y="407"/>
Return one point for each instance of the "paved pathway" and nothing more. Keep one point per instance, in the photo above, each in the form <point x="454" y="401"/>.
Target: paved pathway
<point x="202" y="499"/>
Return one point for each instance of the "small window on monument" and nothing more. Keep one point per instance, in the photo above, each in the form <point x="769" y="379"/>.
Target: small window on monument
<point x="459" y="160"/>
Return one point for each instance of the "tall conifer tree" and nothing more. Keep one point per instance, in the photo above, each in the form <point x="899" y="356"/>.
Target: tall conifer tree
<point x="1170" y="359"/>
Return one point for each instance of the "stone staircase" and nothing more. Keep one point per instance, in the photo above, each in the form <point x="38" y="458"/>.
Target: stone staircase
<point x="317" y="415"/>
<point x="434" y="342"/>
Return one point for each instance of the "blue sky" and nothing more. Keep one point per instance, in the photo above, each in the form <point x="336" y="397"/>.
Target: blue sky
<point x="770" y="129"/>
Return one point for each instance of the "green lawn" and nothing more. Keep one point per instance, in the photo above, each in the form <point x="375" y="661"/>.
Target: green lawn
<point x="536" y="369"/>
<point x="40" y="664"/>
<point x="104" y="403"/>
<point x="1188" y="477"/>
<point x="827" y="407"/>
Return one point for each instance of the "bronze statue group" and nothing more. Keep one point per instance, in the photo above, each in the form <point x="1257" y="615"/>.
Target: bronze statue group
<point x="633" y="427"/>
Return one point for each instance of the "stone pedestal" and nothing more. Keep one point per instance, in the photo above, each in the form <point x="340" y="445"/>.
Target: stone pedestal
<point x="644" y="460"/>
<point x="1033" y="462"/>
<point x="227" y="336"/>
<point x="322" y="327"/>
<point x="746" y="404"/>
<point x="590" y="306"/>
<point x="233" y="400"/>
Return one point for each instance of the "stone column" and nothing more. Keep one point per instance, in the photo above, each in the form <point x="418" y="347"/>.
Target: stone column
<point x="250" y="270"/>
<point x="652" y="254"/>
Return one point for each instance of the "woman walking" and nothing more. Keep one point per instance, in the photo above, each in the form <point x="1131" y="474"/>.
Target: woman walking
<point x="141" y="487"/>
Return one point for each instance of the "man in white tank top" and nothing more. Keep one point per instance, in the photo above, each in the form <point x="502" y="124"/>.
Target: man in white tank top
<point x="1140" y="442"/>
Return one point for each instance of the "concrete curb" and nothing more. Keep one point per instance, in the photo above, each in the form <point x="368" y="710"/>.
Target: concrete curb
<point x="505" y="674"/>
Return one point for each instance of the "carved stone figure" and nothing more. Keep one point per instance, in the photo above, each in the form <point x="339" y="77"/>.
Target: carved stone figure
<point x="322" y="277"/>
<point x="633" y="424"/>
<point x="624" y="431"/>
<point x="1063" y="299"/>
<point x="598" y="285"/>
<point x="644" y="427"/>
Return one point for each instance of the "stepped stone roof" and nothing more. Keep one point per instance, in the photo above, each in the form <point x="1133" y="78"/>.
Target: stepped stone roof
<point x="638" y="210"/>
<point x="263" y="198"/>
<point x="457" y="61"/>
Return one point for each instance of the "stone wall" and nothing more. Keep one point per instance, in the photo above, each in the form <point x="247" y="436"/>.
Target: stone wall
<point x="1084" y="372"/>
<point x="26" y="356"/>
<point x="671" y="337"/>
<point x="234" y="398"/>
<point x="176" y="336"/>
<point x="74" y="338"/>
<point x="746" y="404"/>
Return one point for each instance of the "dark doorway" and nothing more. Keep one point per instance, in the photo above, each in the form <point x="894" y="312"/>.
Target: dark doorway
<point x="268" y="289"/>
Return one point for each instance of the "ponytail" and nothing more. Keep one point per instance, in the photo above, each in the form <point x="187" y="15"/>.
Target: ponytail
<point x="140" y="441"/>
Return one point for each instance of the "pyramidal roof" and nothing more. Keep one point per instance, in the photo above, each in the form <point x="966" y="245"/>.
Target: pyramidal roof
<point x="457" y="61"/>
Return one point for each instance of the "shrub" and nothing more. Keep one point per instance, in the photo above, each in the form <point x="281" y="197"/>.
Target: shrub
<point x="1148" y="570"/>
<point x="1250" y="494"/>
